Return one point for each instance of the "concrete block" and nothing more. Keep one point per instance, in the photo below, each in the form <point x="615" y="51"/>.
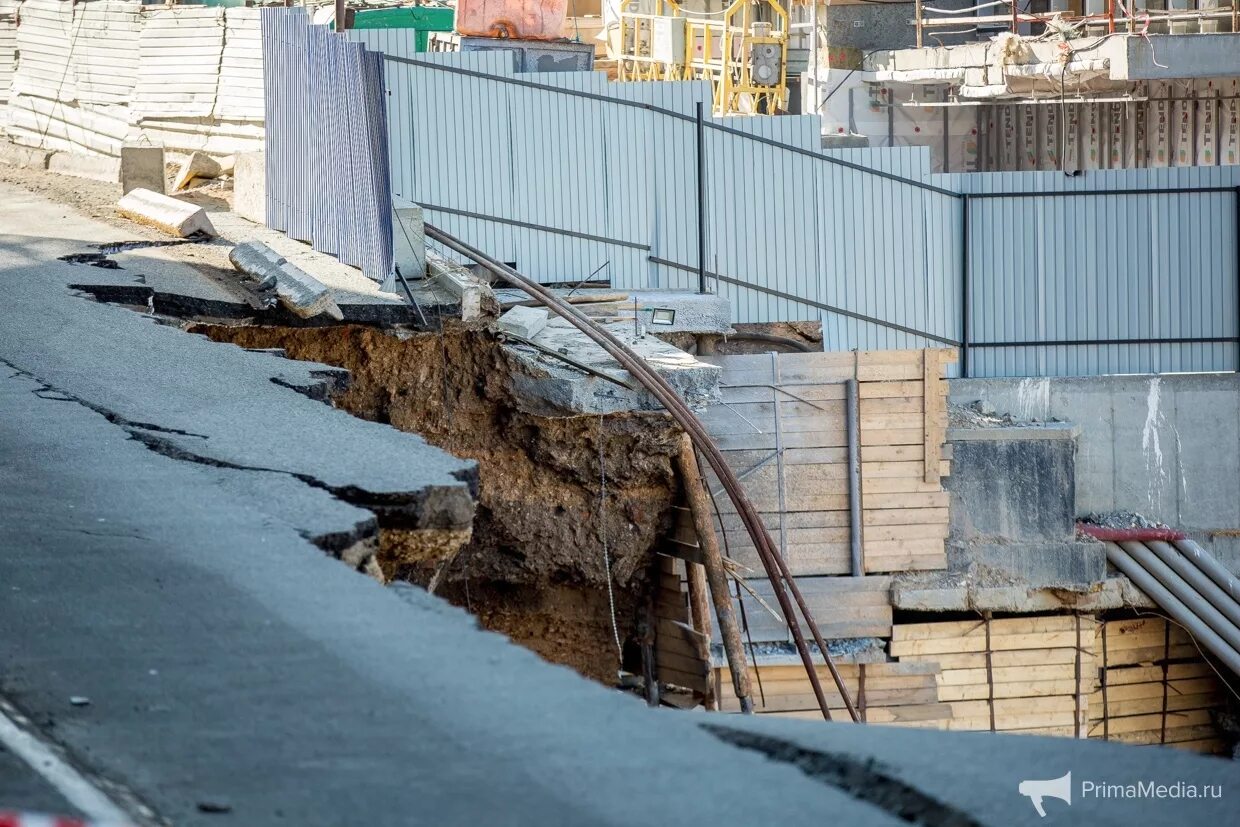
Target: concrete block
<point x="197" y="165"/>
<point x="168" y="214"/>
<point x="477" y="299"/>
<point x="695" y="312"/>
<point x="526" y="322"/>
<point x="23" y="156"/>
<point x="298" y="291"/>
<point x="250" y="186"/>
<point x="95" y="167"/>
<point x="1022" y="488"/>
<point x="1077" y="566"/>
<point x="409" y="240"/>
<point x="142" y="167"/>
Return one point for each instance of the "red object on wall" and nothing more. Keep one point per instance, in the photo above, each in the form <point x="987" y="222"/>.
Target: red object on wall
<point x="520" y="19"/>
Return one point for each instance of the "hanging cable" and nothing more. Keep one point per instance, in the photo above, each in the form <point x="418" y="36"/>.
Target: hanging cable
<point x="602" y="530"/>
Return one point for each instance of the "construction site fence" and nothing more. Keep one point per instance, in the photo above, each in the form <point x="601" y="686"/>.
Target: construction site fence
<point x="328" y="177"/>
<point x="572" y="176"/>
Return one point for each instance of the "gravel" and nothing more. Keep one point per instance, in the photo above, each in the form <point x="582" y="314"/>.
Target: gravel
<point x="1122" y="519"/>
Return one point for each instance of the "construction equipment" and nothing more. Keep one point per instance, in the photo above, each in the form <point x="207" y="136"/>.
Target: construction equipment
<point x="742" y="50"/>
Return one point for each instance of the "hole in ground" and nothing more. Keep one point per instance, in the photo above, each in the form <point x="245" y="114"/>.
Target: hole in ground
<point x="533" y="568"/>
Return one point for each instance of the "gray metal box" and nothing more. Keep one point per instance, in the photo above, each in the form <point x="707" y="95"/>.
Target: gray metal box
<point x="537" y="55"/>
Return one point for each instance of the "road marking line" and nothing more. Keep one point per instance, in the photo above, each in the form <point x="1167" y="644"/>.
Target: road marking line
<point x="93" y="802"/>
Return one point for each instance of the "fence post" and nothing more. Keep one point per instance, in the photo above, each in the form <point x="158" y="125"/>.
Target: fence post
<point x="965" y="265"/>
<point x="701" y="199"/>
<point x="1236" y="237"/>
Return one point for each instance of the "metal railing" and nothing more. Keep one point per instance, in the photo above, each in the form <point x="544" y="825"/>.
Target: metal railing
<point x="1091" y="17"/>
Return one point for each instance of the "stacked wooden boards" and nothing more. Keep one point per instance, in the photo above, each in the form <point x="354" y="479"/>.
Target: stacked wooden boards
<point x="681" y="654"/>
<point x="1137" y="681"/>
<point x="782" y="427"/>
<point x="1023" y="674"/>
<point x="884" y="693"/>
<point x="1153" y="687"/>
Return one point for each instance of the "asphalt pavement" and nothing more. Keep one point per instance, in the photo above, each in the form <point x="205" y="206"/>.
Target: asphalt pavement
<point x="168" y="622"/>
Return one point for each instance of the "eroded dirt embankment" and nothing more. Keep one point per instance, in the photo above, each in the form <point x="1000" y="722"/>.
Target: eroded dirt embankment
<point x="534" y="566"/>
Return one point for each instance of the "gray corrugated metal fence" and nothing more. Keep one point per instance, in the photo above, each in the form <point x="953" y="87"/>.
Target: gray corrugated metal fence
<point x="569" y="175"/>
<point x="328" y="178"/>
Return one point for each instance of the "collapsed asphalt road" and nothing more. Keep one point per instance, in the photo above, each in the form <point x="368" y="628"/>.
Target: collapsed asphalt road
<point x="162" y="504"/>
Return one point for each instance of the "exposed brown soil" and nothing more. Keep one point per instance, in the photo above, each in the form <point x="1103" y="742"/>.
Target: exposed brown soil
<point x="534" y="566"/>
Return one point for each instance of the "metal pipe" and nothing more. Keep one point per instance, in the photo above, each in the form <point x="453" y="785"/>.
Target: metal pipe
<point x="1178" y="609"/>
<point x="1206" y="561"/>
<point x="853" y="408"/>
<point x="813" y="57"/>
<point x="786" y="341"/>
<point x="965" y="266"/>
<point x="1178" y="586"/>
<point x="701" y="198"/>
<point x="774" y="565"/>
<point x="1182" y="565"/>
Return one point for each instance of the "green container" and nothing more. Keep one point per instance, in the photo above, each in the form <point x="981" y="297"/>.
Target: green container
<point x="421" y="19"/>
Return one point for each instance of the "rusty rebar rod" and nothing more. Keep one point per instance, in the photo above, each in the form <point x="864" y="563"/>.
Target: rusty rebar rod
<point x="776" y="568"/>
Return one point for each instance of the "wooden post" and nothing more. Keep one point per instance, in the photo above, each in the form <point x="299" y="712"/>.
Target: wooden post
<point x="716" y="577"/>
<point x="930" y="396"/>
<point x="699" y="615"/>
<point x="699" y="600"/>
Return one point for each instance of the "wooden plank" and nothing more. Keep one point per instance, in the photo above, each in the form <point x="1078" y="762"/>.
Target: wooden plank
<point x="1175" y="703"/>
<point x="1016" y="658"/>
<point x="690" y="664"/>
<point x="1025" y="689"/>
<point x="1142" y="674"/>
<point x="932" y="434"/>
<point x="697" y="683"/>
<point x="998" y="643"/>
<point x="1152" y="721"/>
<point x="1190" y="686"/>
<point x="977" y="628"/>
<point x="1009" y="674"/>
<point x="808" y="702"/>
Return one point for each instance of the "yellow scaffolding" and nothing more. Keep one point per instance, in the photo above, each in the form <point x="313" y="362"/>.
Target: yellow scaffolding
<point x="742" y="50"/>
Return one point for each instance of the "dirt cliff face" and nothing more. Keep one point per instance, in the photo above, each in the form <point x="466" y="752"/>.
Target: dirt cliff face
<point x="534" y="567"/>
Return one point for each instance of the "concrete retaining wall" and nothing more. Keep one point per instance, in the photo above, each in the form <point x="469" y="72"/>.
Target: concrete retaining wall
<point x="1165" y="446"/>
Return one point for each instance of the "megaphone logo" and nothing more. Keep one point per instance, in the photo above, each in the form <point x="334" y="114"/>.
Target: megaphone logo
<point x="1060" y="788"/>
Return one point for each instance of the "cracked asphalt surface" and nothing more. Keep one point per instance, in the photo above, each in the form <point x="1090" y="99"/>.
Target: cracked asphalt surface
<point x="159" y="500"/>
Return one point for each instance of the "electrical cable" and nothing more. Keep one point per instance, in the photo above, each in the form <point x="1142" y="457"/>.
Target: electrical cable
<point x="602" y="530"/>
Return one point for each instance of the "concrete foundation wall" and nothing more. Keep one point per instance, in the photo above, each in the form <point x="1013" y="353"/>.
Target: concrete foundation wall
<point x="1165" y="446"/>
<point x="1012" y="484"/>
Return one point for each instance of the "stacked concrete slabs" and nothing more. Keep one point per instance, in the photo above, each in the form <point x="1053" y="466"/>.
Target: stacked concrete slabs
<point x="1191" y="586"/>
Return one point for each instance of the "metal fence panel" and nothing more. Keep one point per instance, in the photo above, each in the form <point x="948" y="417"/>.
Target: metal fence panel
<point x="563" y="175"/>
<point x="327" y="163"/>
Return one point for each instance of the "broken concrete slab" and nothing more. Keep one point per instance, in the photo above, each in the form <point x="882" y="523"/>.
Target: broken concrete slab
<point x="172" y="398"/>
<point x="142" y="167"/>
<point x="298" y="291"/>
<point x="1074" y="566"/>
<point x="477" y="299"/>
<point x="96" y="167"/>
<point x="689" y="312"/>
<point x="526" y="322"/>
<point x="359" y="298"/>
<point x="15" y="155"/>
<point x="165" y="213"/>
<point x="948" y="592"/>
<point x="554" y="386"/>
<point x="196" y="165"/>
<point x="250" y="186"/>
